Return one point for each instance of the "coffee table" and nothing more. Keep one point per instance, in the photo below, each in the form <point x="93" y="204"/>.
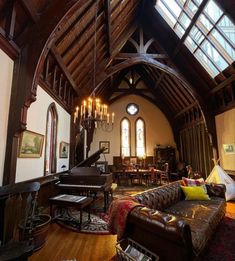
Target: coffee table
<point x="78" y="202"/>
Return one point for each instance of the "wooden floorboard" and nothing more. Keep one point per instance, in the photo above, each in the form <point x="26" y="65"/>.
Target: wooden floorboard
<point x="63" y="244"/>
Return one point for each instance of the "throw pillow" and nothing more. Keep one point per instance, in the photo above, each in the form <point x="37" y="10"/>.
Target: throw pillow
<point x="195" y="193"/>
<point x="194" y="182"/>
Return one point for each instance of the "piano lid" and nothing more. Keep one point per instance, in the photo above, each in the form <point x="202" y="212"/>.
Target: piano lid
<point x="91" y="159"/>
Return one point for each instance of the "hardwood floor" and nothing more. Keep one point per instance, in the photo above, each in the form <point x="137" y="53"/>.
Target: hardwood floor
<point x="63" y="244"/>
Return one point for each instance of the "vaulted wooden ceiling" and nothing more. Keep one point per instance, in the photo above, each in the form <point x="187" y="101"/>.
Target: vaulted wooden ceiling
<point x="127" y="36"/>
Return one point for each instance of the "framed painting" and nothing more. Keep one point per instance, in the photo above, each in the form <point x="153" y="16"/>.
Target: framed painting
<point x="64" y="149"/>
<point x="106" y="145"/>
<point x="229" y="148"/>
<point x="31" y="144"/>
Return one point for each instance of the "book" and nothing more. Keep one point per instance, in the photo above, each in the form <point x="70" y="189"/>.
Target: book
<point x="136" y="254"/>
<point x="70" y="198"/>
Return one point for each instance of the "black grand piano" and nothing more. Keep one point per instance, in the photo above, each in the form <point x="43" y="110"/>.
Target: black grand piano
<point x="87" y="179"/>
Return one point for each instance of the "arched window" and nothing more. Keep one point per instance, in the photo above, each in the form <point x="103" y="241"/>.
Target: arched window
<point x="140" y="137"/>
<point x="51" y="140"/>
<point x="125" y="138"/>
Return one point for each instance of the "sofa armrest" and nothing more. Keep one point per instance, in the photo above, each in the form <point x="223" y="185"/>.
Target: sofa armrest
<point x="216" y="190"/>
<point x="159" y="232"/>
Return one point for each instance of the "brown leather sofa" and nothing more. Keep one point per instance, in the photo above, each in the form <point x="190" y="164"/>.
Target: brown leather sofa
<point x="173" y="228"/>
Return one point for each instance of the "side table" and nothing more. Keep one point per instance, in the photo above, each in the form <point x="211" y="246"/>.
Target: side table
<point x="66" y="200"/>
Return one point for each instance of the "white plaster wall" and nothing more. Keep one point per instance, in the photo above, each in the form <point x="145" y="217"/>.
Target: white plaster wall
<point x="28" y="168"/>
<point x="158" y="129"/>
<point x="6" y="73"/>
<point x="225" y="129"/>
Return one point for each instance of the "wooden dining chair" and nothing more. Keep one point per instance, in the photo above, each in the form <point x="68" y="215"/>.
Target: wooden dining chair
<point x="17" y="206"/>
<point x="164" y="174"/>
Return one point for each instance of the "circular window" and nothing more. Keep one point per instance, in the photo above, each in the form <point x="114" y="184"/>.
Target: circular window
<point x="132" y="108"/>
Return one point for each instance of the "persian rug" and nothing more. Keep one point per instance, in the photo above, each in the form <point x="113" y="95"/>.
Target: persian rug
<point x="222" y="245"/>
<point x="70" y="217"/>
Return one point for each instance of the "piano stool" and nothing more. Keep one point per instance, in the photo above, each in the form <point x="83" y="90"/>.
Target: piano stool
<point x="66" y="200"/>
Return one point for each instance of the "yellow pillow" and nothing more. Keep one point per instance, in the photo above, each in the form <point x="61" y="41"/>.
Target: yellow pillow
<point x="195" y="193"/>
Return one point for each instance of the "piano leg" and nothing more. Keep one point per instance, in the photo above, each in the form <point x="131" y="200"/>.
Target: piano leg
<point x="106" y="200"/>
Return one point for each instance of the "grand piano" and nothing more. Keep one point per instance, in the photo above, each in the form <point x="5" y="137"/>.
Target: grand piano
<point x="87" y="179"/>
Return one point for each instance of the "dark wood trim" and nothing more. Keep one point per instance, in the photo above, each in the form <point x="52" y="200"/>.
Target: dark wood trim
<point x="30" y="10"/>
<point x="9" y="47"/>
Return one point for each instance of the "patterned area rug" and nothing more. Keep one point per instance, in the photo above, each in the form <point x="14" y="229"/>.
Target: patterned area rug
<point x="70" y="217"/>
<point x="222" y="245"/>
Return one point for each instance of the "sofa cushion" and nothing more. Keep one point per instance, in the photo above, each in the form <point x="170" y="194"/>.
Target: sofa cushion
<point x="195" y="193"/>
<point x="202" y="217"/>
<point x="161" y="197"/>
<point x="202" y="210"/>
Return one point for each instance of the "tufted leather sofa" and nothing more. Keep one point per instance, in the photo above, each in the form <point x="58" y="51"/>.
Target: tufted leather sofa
<point x="173" y="228"/>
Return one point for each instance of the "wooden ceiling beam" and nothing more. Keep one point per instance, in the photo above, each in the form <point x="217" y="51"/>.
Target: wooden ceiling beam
<point x="63" y="35"/>
<point x="108" y="26"/>
<point x="61" y="64"/>
<point x="89" y="24"/>
<point x="222" y="85"/>
<point x="122" y="56"/>
<point x="186" y="109"/>
<point x="30" y="10"/>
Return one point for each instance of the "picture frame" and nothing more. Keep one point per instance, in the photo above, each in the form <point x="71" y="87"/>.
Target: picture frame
<point x="106" y="145"/>
<point x="64" y="150"/>
<point x="30" y="144"/>
<point x="229" y="148"/>
<point x="102" y="166"/>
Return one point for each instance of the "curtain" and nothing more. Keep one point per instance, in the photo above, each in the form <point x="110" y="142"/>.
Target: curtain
<point x="196" y="149"/>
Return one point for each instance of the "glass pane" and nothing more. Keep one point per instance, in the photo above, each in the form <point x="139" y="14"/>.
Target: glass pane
<point x="228" y="28"/>
<point x="202" y="58"/>
<point x="125" y="130"/>
<point x="213" y="11"/>
<point x="197" y="2"/>
<point x="173" y="6"/>
<point x="196" y="35"/>
<point x="214" y="55"/>
<point x="184" y="21"/>
<point x="204" y="24"/>
<point x="166" y="14"/>
<point x="140" y="144"/>
<point x="190" y="44"/>
<point x="218" y="37"/>
<point x="192" y="7"/>
<point x="179" y="30"/>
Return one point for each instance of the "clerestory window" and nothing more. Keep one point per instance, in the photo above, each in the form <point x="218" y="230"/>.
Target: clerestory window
<point x="211" y="37"/>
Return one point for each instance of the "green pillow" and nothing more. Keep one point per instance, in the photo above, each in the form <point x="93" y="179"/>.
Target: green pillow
<point x="195" y="193"/>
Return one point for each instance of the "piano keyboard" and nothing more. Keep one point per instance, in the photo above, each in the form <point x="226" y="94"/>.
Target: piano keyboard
<point x="79" y="186"/>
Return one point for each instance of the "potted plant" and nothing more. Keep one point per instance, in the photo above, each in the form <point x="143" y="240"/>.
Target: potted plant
<point x="40" y="224"/>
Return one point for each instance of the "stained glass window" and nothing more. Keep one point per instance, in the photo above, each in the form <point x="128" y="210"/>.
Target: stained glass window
<point x="140" y="138"/>
<point x="211" y="38"/>
<point x="125" y="138"/>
